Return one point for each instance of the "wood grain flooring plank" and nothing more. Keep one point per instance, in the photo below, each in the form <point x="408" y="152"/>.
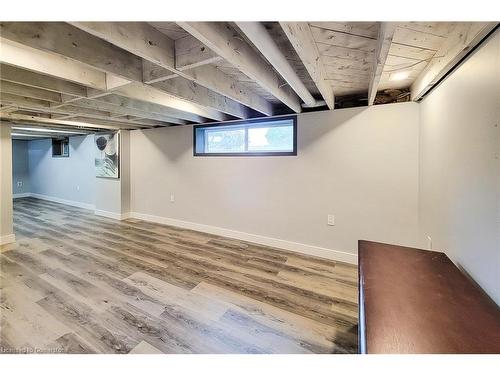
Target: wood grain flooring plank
<point x="145" y="348"/>
<point x="138" y="287"/>
<point x="206" y="309"/>
<point x="224" y="277"/>
<point x="26" y="324"/>
<point x="251" y="284"/>
<point x="84" y="321"/>
<point x="150" y="252"/>
<point x="302" y="328"/>
<point x="71" y="343"/>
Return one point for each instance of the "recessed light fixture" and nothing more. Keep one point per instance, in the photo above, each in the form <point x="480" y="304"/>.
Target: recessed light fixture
<point x="399" y="76"/>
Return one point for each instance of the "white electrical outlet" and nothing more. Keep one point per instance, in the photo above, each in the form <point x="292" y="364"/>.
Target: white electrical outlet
<point x="19" y="183"/>
<point x="429" y="242"/>
<point x="172" y="198"/>
<point x="331" y="220"/>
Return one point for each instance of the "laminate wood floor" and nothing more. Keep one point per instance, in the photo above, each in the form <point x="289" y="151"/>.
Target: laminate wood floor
<point x="79" y="283"/>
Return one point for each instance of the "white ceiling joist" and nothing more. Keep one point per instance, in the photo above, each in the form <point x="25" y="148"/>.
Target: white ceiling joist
<point x="42" y="62"/>
<point x="191" y="53"/>
<point x="17" y="118"/>
<point x="148" y="108"/>
<point x="124" y="111"/>
<point x="300" y="36"/>
<point x="223" y="41"/>
<point x="27" y="78"/>
<point x="260" y="37"/>
<point x="138" y="38"/>
<point x="203" y="96"/>
<point x="152" y="72"/>
<point x="145" y="41"/>
<point x="385" y="34"/>
<point x="67" y="111"/>
<point x="29" y="91"/>
<point x="150" y="94"/>
<point x="210" y="76"/>
<point x="24" y="95"/>
<point x="68" y="41"/>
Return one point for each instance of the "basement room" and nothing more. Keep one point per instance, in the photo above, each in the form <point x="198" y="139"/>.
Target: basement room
<point x="224" y="186"/>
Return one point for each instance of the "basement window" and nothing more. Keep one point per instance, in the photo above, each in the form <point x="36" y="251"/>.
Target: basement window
<point x="60" y="147"/>
<point x="262" y="137"/>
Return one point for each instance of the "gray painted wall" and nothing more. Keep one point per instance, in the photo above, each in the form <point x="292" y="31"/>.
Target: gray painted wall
<point x="20" y="167"/>
<point x="360" y="164"/>
<point x="71" y="178"/>
<point x="460" y="167"/>
<point x="6" y="228"/>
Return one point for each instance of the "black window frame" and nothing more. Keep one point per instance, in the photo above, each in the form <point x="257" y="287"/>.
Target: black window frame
<point x="244" y="123"/>
<point x="62" y="142"/>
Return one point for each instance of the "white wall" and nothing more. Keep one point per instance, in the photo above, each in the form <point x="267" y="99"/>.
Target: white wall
<point x="460" y="167"/>
<point x="360" y="164"/>
<point x="67" y="178"/>
<point x="6" y="227"/>
<point x="20" y="167"/>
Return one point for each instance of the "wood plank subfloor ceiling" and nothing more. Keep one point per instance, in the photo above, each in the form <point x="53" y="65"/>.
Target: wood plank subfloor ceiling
<point x="79" y="283"/>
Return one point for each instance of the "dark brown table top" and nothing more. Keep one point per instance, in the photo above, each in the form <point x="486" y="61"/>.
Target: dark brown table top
<point x="418" y="301"/>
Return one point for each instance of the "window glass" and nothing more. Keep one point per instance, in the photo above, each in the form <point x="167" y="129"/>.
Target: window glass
<point x="252" y="138"/>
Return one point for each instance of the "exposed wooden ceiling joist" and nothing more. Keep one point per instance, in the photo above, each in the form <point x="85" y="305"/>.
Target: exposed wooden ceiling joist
<point x="42" y="62"/>
<point x="147" y="110"/>
<point x="72" y="112"/>
<point x="199" y="94"/>
<point x="150" y="94"/>
<point x="138" y="38"/>
<point x="28" y="78"/>
<point x="300" y="36"/>
<point x="152" y="73"/>
<point x="29" y="91"/>
<point x="23" y="101"/>
<point x="258" y="35"/>
<point x="145" y="41"/>
<point x="220" y="38"/>
<point x="213" y="79"/>
<point x="7" y="108"/>
<point x="123" y="124"/>
<point x="224" y="84"/>
<point x="68" y="41"/>
<point x="191" y="53"/>
<point x="18" y="118"/>
<point x="90" y="108"/>
<point x="462" y="38"/>
<point x="48" y="130"/>
<point x="102" y="105"/>
<point x="385" y="34"/>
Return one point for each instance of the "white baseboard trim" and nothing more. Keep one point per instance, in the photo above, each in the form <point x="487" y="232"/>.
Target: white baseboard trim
<point x="126" y="215"/>
<point x="63" y="201"/>
<point x="109" y="214"/>
<point x="21" y="195"/>
<point x="322" y="252"/>
<point x="4" y="240"/>
<point x="112" y="215"/>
